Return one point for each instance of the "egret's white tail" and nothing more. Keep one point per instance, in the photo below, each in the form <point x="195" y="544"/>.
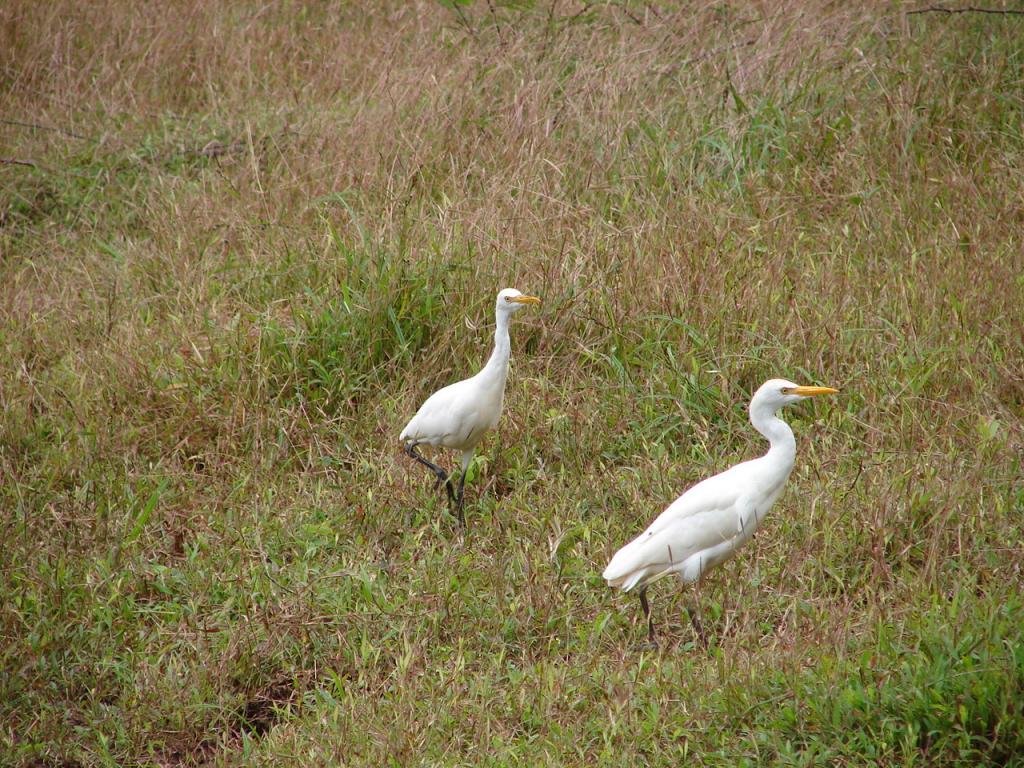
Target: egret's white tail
<point x="631" y="566"/>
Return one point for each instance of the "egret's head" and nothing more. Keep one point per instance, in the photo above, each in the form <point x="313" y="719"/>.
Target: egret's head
<point x="775" y="393"/>
<point x="511" y="301"/>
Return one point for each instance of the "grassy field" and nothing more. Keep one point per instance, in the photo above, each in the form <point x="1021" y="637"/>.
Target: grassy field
<point x="241" y="242"/>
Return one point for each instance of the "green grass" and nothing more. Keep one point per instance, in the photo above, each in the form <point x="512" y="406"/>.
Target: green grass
<point x="263" y="234"/>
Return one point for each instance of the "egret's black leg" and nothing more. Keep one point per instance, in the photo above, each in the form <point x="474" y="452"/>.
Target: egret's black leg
<point x="442" y="476"/>
<point x="647" y="615"/>
<point x="698" y="627"/>
<point x="460" y="499"/>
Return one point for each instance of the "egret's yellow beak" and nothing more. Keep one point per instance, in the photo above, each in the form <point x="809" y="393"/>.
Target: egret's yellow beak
<point x="811" y="391"/>
<point x="525" y="300"/>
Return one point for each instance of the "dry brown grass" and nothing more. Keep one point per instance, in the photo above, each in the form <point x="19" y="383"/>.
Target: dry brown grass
<point x="248" y="240"/>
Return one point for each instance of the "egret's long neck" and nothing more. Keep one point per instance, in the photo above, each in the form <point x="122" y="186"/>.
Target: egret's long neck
<point x="782" y="452"/>
<point x="496" y="369"/>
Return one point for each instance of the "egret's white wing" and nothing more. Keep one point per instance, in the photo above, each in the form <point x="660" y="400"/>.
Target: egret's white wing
<point x="720" y="492"/>
<point x="440" y="416"/>
<point x="656" y="552"/>
<point x="712" y="512"/>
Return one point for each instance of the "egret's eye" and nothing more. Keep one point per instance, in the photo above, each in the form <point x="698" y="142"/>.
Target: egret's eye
<point x="508" y="299"/>
<point x="785" y="390"/>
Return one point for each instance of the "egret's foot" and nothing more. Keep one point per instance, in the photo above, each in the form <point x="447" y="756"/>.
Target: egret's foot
<point x="651" y="638"/>
<point x="455" y="515"/>
<point x="460" y="510"/>
<point x="440" y="474"/>
<point x="698" y="627"/>
<point x="442" y="477"/>
<point x="460" y="499"/>
<point x="648" y="645"/>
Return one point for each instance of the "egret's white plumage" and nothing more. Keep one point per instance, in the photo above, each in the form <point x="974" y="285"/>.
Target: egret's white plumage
<point x="707" y="524"/>
<point x="459" y="415"/>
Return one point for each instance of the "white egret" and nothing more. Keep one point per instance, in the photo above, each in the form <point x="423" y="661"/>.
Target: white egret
<point x="707" y="524"/>
<point x="459" y="415"/>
